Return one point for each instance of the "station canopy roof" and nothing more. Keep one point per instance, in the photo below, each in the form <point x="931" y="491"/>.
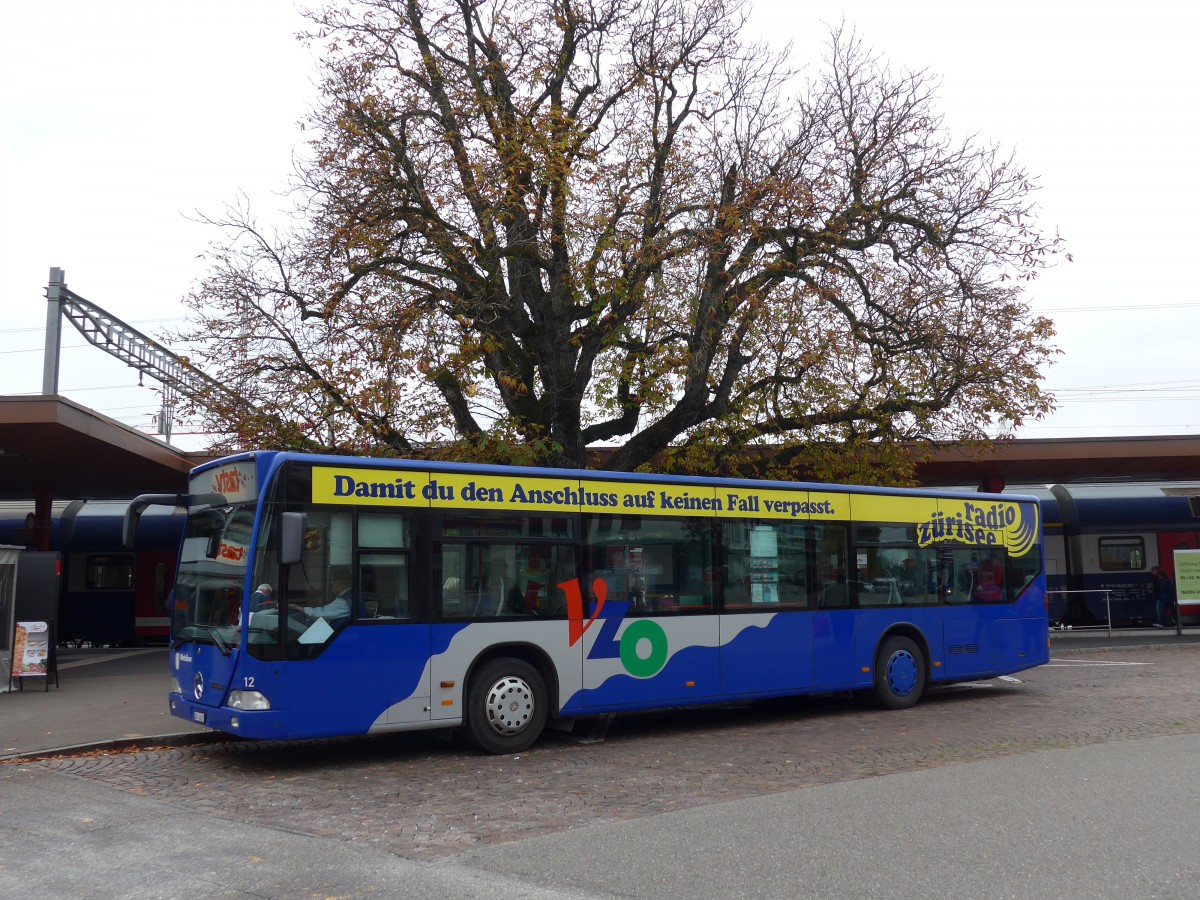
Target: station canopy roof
<point x="53" y="444"/>
<point x="1174" y="458"/>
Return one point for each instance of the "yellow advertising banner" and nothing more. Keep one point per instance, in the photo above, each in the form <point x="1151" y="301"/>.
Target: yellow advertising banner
<point x="749" y="503"/>
<point x="369" y="487"/>
<point x="967" y="521"/>
<point x="483" y="492"/>
<point x="886" y="508"/>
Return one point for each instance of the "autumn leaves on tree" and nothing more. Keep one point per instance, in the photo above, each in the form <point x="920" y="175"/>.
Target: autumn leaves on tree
<point x="527" y="228"/>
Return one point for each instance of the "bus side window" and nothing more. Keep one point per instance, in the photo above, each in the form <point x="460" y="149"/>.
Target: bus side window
<point x="830" y="547"/>
<point x="655" y="564"/>
<point x="383" y="586"/>
<point x="383" y="566"/>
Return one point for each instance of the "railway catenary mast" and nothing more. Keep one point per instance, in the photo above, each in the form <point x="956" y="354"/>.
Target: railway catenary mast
<point x="104" y="330"/>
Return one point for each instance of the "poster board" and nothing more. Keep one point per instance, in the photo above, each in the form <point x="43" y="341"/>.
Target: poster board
<point x="1187" y="577"/>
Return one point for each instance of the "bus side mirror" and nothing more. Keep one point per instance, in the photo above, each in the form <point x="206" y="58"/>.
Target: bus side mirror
<point x="133" y="512"/>
<point x="292" y="526"/>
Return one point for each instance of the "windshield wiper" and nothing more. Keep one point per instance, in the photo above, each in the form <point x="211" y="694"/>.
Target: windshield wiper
<point x="221" y="645"/>
<point x="211" y="631"/>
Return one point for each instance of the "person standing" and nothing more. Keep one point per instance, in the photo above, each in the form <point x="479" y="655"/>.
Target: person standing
<point x="1163" y="589"/>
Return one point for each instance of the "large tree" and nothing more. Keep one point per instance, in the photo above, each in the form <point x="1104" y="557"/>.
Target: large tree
<point x="532" y="226"/>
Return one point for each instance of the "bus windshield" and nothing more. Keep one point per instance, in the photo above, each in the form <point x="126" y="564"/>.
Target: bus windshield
<point x="212" y="576"/>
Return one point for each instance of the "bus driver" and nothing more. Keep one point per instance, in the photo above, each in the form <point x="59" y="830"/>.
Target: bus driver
<point x="336" y="610"/>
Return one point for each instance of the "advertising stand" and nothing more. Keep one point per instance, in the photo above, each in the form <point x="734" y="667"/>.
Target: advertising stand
<point x="33" y="653"/>
<point x="29" y="590"/>
<point x="39" y="575"/>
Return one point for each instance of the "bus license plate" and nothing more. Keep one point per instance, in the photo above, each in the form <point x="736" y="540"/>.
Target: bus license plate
<point x="198" y="716"/>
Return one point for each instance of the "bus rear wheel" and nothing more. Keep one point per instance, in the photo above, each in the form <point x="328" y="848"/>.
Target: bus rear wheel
<point x="899" y="673"/>
<point x="506" y="706"/>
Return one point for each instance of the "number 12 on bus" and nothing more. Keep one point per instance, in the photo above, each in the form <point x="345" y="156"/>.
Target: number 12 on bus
<point x="320" y="596"/>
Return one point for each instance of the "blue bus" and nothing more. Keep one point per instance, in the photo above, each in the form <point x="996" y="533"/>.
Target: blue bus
<point x="320" y="596"/>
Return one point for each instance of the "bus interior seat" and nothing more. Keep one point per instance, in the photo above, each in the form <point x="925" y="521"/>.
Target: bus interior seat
<point x="486" y="605"/>
<point x="834" y="595"/>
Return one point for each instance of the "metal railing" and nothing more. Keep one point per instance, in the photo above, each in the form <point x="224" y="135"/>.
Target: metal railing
<point x="1107" y="592"/>
<point x="1108" y="603"/>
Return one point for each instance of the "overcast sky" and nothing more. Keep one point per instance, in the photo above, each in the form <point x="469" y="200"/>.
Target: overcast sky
<point x="122" y="120"/>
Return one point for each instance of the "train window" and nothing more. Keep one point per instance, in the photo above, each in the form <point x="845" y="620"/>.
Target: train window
<point x="109" y="573"/>
<point x="1122" y="554"/>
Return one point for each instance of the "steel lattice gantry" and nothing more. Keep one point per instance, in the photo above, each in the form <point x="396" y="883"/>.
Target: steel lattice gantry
<point x="106" y="331"/>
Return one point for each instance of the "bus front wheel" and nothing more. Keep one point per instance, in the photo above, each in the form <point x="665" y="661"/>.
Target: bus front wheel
<point x="899" y="673"/>
<point x="506" y="706"/>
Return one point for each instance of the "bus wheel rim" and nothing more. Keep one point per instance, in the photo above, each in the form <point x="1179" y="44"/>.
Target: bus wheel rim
<point x="509" y="705"/>
<point x="902" y="673"/>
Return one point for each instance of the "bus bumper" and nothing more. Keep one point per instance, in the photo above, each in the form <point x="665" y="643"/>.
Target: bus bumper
<point x="243" y="723"/>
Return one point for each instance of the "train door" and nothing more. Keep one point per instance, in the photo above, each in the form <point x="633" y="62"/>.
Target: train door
<point x="1056" y="576"/>
<point x="1169" y="542"/>
<point x="153" y="579"/>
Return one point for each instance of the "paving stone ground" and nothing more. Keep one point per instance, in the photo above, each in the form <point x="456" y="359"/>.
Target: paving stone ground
<point x="424" y="798"/>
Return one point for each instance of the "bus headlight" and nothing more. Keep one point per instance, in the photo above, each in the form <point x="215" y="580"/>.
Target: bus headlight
<point x="248" y="700"/>
<point x="175" y="689"/>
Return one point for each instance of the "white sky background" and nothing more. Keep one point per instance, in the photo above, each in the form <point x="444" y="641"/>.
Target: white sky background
<point x="120" y="121"/>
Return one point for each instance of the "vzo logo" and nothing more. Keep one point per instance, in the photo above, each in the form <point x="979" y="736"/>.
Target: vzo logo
<point x="643" y="634"/>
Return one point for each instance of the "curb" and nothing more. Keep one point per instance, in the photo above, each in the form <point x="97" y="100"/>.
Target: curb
<point x="182" y="739"/>
<point x="1066" y="648"/>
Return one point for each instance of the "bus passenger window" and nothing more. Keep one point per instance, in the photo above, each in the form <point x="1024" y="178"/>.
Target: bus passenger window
<point x="893" y="568"/>
<point x="969" y="575"/>
<point x="765" y="565"/>
<point x="500" y="579"/>
<point x="656" y="565"/>
<point x="383" y="586"/>
<point x="830" y="544"/>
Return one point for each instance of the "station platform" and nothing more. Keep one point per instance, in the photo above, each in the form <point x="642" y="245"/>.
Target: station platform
<point x="104" y="697"/>
<point x="109" y="698"/>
